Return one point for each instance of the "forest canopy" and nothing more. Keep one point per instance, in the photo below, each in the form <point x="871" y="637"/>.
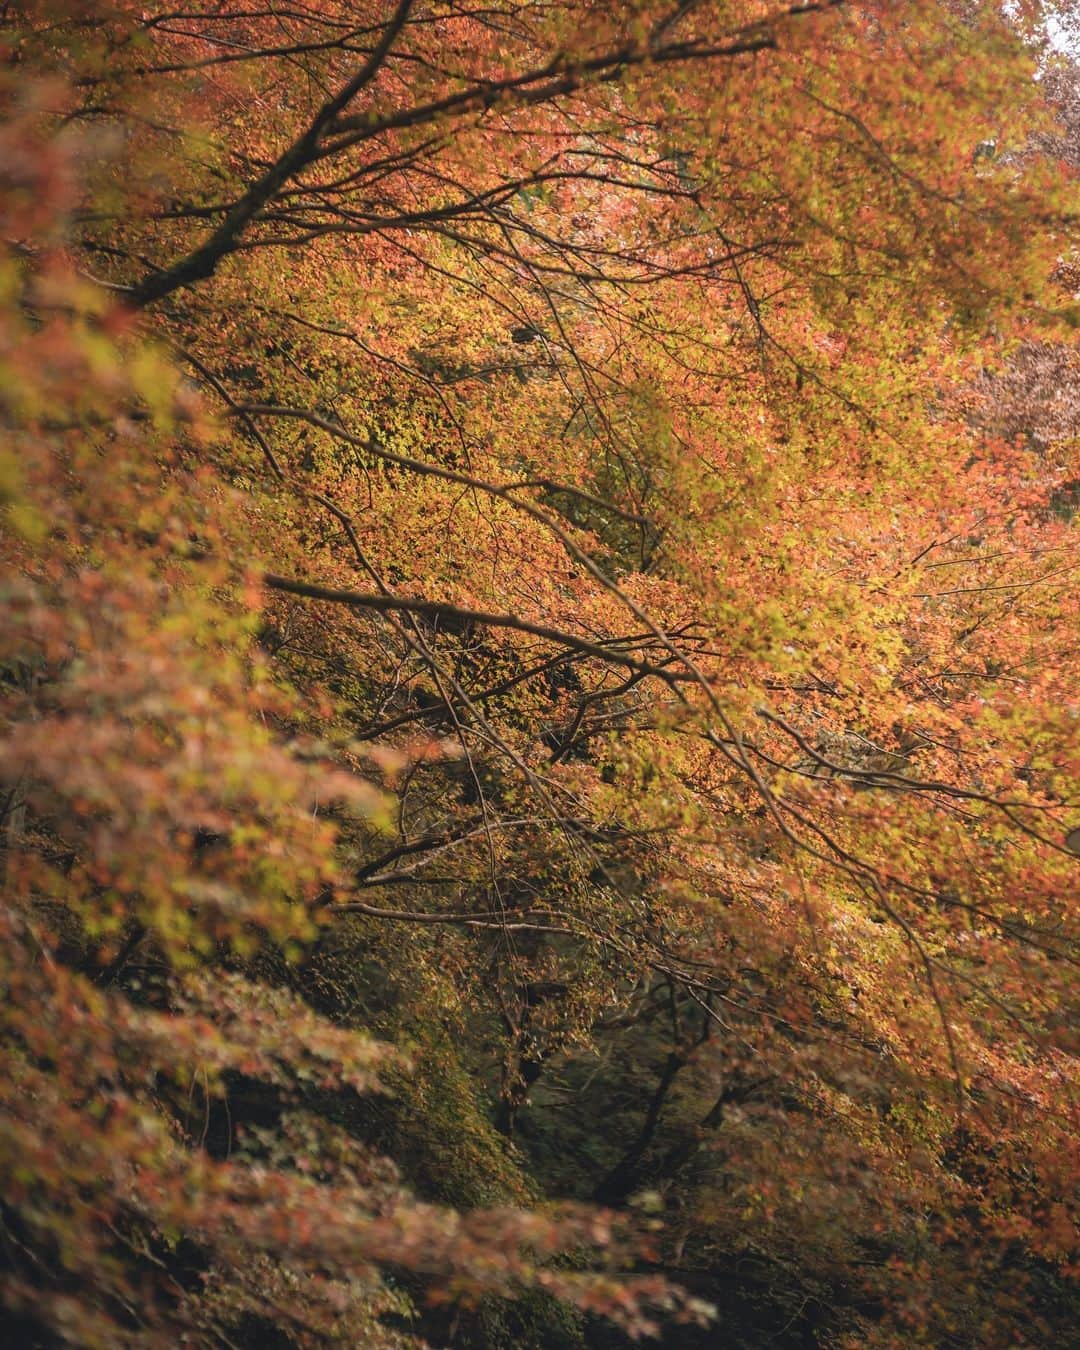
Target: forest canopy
<point x="540" y="732"/>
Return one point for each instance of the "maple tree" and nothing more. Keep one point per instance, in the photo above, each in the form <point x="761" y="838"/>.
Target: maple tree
<point x="539" y="751"/>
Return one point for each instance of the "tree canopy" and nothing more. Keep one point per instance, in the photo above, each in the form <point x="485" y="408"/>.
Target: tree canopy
<point x="540" y="734"/>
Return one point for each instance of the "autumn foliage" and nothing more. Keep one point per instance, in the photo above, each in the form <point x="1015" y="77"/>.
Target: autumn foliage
<point x="539" y="723"/>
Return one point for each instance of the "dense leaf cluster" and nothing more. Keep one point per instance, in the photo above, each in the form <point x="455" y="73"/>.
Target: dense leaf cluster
<point x="539" y="732"/>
